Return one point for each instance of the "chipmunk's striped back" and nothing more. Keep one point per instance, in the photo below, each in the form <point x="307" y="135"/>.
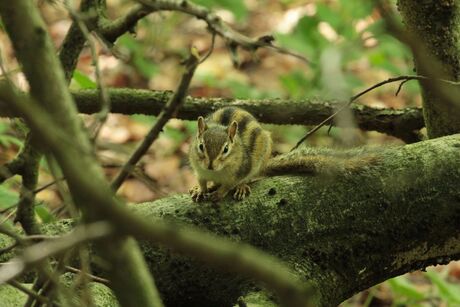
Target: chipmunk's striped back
<point x="257" y="142"/>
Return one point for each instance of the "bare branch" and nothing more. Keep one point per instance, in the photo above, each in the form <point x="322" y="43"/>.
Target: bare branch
<point x="30" y="293"/>
<point x="217" y="25"/>
<point x="91" y="276"/>
<point x="345" y="106"/>
<point x="39" y="252"/>
<point x="170" y="108"/>
<point x="396" y="122"/>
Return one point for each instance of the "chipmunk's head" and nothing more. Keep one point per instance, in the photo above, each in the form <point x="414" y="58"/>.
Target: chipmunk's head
<point x="215" y="144"/>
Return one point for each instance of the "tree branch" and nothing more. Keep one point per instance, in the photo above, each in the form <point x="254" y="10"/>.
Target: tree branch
<point x="404" y="217"/>
<point x="39" y="252"/>
<point x="97" y="200"/>
<point x="399" y="123"/>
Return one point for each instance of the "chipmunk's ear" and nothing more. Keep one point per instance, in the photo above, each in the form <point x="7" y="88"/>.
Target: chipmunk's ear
<point x="232" y="129"/>
<point x="201" y="125"/>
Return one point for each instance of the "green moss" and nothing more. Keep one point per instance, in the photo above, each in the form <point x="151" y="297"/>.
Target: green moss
<point x="436" y="24"/>
<point x="12" y="297"/>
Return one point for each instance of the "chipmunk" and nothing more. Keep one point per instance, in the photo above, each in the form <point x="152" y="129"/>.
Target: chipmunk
<point x="231" y="148"/>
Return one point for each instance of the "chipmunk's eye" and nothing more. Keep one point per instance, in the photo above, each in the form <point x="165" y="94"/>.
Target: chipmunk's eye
<point x="225" y="149"/>
<point x="201" y="147"/>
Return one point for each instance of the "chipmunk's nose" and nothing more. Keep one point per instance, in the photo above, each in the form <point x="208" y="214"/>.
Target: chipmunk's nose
<point x="210" y="165"/>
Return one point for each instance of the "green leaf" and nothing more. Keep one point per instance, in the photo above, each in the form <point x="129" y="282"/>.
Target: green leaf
<point x="356" y="9"/>
<point x="8" y="198"/>
<point x="6" y="140"/>
<point x="44" y="214"/>
<point x="237" y="7"/>
<point x="447" y="291"/>
<point x="295" y="83"/>
<point x="143" y="119"/>
<point x="175" y="134"/>
<point x="3" y="127"/>
<point x="145" y="67"/>
<point x="401" y="286"/>
<point x="129" y="42"/>
<point x="83" y="81"/>
<point x="326" y="14"/>
<point x="305" y="38"/>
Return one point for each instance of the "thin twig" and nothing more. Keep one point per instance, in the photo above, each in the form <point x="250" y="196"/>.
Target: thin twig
<point x="211" y="48"/>
<point x="47" y="185"/>
<point x="31" y="293"/>
<point x="346" y="105"/>
<point x="8" y="248"/>
<point x="218" y="26"/>
<point x="100" y="117"/>
<point x="93" y="277"/>
<point x="170" y="108"/>
<point x="39" y="252"/>
<point x="4" y="210"/>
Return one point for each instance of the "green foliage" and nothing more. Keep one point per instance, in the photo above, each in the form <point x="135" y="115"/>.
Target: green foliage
<point x="7" y="139"/>
<point x="404" y="292"/>
<point x="348" y="24"/>
<point x="136" y="51"/>
<point x="143" y="119"/>
<point x="448" y="292"/>
<point x="8" y="197"/>
<point x="237" y="88"/>
<point x="44" y="214"/>
<point x="296" y="84"/>
<point x="237" y="7"/>
<point x="177" y="135"/>
<point x="83" y="81"/>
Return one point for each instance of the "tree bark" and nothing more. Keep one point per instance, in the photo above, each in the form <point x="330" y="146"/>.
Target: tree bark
<point x="436" y="27"/>
<point x="404" y="217"/>
<point x="401" y="123"/>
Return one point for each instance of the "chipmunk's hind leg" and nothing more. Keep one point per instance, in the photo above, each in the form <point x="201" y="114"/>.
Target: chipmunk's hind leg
<point x="241" y="191"/>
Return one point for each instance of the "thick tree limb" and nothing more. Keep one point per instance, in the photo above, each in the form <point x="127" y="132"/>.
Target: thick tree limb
<point x="404" y="217"/>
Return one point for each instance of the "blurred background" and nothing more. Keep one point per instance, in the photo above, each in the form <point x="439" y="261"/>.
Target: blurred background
<point x="348" y="51"/>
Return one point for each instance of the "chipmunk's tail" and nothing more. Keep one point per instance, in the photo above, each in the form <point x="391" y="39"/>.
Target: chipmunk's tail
<point x="325" y="161"/>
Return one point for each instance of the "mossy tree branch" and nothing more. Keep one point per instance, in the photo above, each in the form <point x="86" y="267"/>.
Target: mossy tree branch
<point x="343" y="242"/>
<point x="25" y="214"/>
<point x="404" y="216"/>
<point x="399" y="123"/>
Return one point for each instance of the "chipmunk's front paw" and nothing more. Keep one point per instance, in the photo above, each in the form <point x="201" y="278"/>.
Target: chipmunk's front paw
<point x="241" y="191"/>
<point x="197" y="194"/>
